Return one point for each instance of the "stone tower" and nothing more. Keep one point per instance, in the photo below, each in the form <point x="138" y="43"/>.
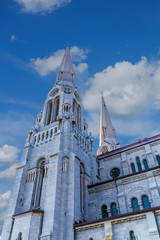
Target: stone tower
<point x="107" y="136"/>
<point x="50" y="190"/>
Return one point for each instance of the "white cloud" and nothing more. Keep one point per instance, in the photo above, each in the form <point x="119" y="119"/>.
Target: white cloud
<point x="8" y="154"/>
<point x="8" y="173"/>
<point x="41" y="6"/>
<point x="131" y="91"/>
<point x="80" y="68"/>
<point x="13" y="37"/>
<point x="3" y="204"/>
<point x="48" y="64"/>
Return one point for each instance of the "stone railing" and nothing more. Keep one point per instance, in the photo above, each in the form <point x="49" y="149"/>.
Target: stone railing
<point x="82" y="141"/>
<point x="45" y="136"/>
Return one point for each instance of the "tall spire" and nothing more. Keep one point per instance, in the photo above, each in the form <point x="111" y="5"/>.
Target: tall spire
<point x="107" y="137"/>
<point x="66" y="73"/>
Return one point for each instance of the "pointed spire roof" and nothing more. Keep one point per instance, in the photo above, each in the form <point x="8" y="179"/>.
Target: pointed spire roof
<point x="107" y="131"/>
<point x="66" y="73"/>
<point x="105" y="118"/>
<point x="66" y="65"/>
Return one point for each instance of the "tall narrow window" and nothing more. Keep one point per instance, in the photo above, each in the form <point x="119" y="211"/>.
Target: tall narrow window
<point x="82" y="188"/>
<point x="135" y="205"/>
<point x="38" y="184"/>
<point x="145" y="202"/>
<point x="48" y="113"/>
<point x="104" y="211"/>
<point x="56" y="109"/>
<point x="79" y="117"/>
<point x="114" y="211"/>
<point x="138" y="164"/>
<point x="145" y="164"/>
<point x="132" y="236"/>
<point x="75" y="110"/>
<point x="133" y="168"/>
<point x="158" y="159"/>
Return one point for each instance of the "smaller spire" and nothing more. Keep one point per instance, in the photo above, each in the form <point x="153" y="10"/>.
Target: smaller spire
<point x="107" y="138"/>
<point x="66" y="73"/>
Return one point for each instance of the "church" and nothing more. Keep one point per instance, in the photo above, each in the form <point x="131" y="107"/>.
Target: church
<point x="62" y="191"/>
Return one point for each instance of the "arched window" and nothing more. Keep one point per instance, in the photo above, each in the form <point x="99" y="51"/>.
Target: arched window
<point x="56" y="109"/>
<point x="133" y="168"/>
<point x="145" y="202"/>
<point x="138" y="164"/>
<point x="48" y="113"/>
<point x="158" y="159"/>
<point x="132" y="236"/>
<point x="145" y="164"/>
<point x="104" y="211"/>
<point x="114" y="211"/>
<point x="37" y="191"/>
<point x="135" y="205"/>
<point x="82" y="188"/>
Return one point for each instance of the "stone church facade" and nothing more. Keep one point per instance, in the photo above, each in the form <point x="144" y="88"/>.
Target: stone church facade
<point x="63" y="192"/>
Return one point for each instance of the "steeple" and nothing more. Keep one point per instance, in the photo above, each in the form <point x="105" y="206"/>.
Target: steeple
<point x="66" y="75"/>
<point x="107" y="137"/>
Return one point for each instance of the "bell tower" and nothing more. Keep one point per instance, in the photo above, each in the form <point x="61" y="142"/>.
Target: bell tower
<point x="50" y="189"/>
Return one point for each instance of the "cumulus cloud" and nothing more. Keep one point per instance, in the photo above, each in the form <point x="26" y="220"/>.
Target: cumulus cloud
<point x="3" y="204"/>
<point x="130" y="91"/>
<point x="48" y="64"/>
<point x="8" y="173"/>
<point x="8" y="154"/>
<point x="41" y="6"/>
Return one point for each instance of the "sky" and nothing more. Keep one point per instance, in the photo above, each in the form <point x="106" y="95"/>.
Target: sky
<point x="115" y="48"/>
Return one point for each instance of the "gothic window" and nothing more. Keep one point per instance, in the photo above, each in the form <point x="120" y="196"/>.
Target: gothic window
<point x="56" y="109"/>
<point x="158" y="159"/>
<point x="145" y="164"/>
<point x="115" y="172"/>
<point x="38" y="184"/>
<point x="49" y="112"/>
<point x="104" y="211"/>
<point x="145" y="202"/>
<point x="133" y="168"/>
<point x="138" y="164"/>
<point x="132" y="236"/>
<point x="114" y="211"/>
<point x="135" y="205"/>
<point x="82" y="188"/>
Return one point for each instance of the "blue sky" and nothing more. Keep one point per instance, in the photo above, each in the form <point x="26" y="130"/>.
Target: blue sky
<point x="115" y="47"/>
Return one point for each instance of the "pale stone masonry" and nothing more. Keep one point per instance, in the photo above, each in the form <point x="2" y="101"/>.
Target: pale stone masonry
<point x="62" y="191"/>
